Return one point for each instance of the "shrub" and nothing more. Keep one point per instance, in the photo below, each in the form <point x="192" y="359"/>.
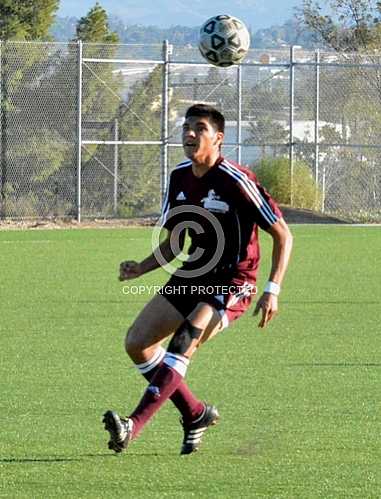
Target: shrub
<point x="274" y="175"/>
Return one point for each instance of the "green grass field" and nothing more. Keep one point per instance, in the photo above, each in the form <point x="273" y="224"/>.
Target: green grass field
<point x="300" y="401"/>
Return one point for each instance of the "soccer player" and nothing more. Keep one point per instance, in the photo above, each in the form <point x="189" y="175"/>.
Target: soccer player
<point x="221" y="205"/>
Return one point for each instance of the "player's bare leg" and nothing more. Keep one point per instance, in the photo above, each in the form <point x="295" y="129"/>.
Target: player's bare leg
<point x="169" y="376"/>
<point x="158" y="320"/>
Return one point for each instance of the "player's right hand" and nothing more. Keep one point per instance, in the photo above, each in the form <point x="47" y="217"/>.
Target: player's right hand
<point x="129" y="270"/>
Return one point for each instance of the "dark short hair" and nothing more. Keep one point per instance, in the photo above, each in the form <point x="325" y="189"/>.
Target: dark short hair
<point x="205" y="111"/>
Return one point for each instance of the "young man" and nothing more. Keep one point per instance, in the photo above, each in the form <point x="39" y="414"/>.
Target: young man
<point x="221" y="205"/>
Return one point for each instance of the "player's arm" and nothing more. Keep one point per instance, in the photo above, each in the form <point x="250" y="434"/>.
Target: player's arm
<point x="282" y="246"/>
<point x="131" y="269"/>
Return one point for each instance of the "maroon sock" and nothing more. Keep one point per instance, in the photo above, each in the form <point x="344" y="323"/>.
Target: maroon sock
<point x="189" y="406"/>
<point x="162" y="386"/>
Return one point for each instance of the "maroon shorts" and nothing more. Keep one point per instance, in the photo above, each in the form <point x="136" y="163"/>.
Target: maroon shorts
<point x="230" y="298"/>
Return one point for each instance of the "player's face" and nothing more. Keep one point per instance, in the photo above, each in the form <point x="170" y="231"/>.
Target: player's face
<point x="201" y="141"/>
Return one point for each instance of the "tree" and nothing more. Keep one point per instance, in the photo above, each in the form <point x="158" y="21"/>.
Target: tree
<point x="101" y="98"/>
<point x="94" y="27"/>
<point x="140" y="118"/>
<point x="41" y="84"/>
<point x="352" y="25"/>
<point x="26" y="19"/>
<point x="352" y="176"/>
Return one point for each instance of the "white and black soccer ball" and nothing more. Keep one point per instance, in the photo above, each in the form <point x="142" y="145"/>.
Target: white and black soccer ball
<point x="224" y="40"/>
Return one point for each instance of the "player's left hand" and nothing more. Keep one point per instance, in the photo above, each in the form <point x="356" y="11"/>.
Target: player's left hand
<point x="268" y="303"/>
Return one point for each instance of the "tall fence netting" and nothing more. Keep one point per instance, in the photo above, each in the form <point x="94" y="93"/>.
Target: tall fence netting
<point x="94" y="130"/>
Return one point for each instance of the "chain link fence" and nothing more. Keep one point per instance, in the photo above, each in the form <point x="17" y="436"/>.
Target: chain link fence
<point x="91" y="130"/>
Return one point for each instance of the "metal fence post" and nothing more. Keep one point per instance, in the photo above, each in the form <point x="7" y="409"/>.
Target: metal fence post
<point x="317" y="112"/>
<point x="79" y="131"/>
<point x="291" y="123"/>
<point x="164" y="125"/>
<point x="3" y="131"/>
<point x="239" y="112"/>
<point x="116" y="161"/>
<point x="323" y="191"/>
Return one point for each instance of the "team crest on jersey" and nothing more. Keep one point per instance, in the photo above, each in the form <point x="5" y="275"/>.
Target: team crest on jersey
<point x="213" y="203"/>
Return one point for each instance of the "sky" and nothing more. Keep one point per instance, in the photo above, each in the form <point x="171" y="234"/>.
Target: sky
<point x="165" y="13"/>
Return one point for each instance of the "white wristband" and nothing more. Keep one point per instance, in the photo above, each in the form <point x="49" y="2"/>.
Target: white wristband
<point x="273" y="288"/>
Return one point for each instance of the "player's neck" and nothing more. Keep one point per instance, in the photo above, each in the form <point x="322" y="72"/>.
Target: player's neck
<point x="200" y="168"/>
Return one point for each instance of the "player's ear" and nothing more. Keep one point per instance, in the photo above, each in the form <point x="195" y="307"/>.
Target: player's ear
<point x="220" y="138"/>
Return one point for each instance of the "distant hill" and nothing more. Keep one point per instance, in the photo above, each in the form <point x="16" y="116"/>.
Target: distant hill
<point x="164" y="13"/>
<point x="274" y="37"/>
<point x="289" y="33"/>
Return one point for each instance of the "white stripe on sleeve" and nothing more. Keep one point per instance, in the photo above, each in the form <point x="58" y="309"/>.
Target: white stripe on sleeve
<point x="252" y="192"/>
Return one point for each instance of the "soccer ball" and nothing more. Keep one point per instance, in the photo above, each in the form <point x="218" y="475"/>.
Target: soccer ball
<point x="224" y="41"/>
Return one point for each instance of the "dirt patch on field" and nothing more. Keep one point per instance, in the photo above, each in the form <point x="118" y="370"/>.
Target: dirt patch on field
<point x="299" y="216"/>
<point x="96" y="223"/>
<point x="291" y="215"/>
